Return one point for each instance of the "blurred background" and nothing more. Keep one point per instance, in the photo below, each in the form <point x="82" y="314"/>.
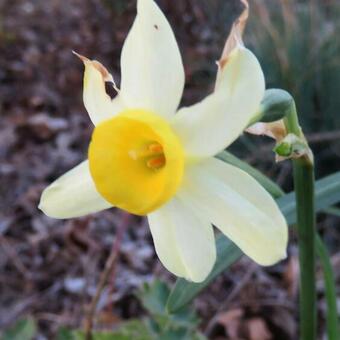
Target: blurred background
<point x="49" y="268"/>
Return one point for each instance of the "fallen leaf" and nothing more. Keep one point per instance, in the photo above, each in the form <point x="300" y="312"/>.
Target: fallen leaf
<point x="258" y="329"/>
<point x="231" y="321"/>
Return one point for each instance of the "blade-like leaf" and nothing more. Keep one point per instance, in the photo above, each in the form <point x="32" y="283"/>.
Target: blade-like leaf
<point x="327" y="193"/>
<point x="184" y="291"/>
<point x="23" y="330"/>
<point x="267" y="183"/>
<point x="333" y="329"/>
<point x="332" y="211"/>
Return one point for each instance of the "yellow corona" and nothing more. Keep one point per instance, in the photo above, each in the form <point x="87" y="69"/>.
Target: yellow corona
<point x="136" y="161"/>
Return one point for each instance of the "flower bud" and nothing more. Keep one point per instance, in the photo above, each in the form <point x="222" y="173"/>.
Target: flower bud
<point x="274" y="106"/>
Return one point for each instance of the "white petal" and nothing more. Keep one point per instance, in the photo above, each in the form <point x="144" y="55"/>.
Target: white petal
<point x="98" y="103"/>
<point x="184" y="240"/>
<point x="72" y="195"/>
<point x="211" y="125"/>
<point x="240" y="207"/>
<point x="152" y="69"/>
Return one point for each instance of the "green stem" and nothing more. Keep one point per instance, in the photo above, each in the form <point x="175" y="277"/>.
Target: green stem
<point x="333" y="329"/>
<point x="304" y="191"/>
<point x="292" y="122"/>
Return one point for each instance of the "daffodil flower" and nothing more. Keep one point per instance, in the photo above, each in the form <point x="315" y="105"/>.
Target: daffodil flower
<point x="149" y="158"/>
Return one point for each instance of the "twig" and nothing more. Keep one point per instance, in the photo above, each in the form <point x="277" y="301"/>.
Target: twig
<point x="324" y="137"/>
<point x="12" y="255"/>
<point x="241" y="284"/>
<point x="106" y="273"/>
<point x="270" y="302"/>
<point x="28" y="302"/>
<point x="124" y="224"/>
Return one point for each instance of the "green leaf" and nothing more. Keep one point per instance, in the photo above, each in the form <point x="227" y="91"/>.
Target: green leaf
<point x="267" y="183"/>
<point x="333" y="329"/>
<point x="23" y="330"/>
<point x="154" y="296"/>
<point x="327" y="193"/>
<point x="65" y="334"/>
<point x="332" y="211"/>
<point x="181" y="335"/>
<point x="161" y="325"/>
<point x="184" y="291"/>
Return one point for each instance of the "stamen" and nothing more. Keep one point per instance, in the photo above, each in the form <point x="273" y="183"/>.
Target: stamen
<point x="156" y="163"/>
<point x="155" y="148"/>
<point x="138" y="154"/>
<point x="152" y="154"/>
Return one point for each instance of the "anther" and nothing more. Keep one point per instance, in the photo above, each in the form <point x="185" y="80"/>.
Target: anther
<point x="155" y="148"/>
<point x="156" y="163"/>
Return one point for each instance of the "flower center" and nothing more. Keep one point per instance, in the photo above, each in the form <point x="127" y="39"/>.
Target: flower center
<point x="136" y="161"/>
<point x="153" y="155"/>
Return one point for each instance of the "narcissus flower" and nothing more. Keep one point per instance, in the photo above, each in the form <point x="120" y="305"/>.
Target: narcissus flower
<point x="149" y="158"/>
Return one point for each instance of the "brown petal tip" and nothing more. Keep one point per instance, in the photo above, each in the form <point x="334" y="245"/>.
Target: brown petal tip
<point x="97" y="65"/>
<point x="81" y="57"/>
<point x="235" y="37"/>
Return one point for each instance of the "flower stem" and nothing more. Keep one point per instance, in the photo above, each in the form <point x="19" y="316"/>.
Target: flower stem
<point x="304" y="191"/>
